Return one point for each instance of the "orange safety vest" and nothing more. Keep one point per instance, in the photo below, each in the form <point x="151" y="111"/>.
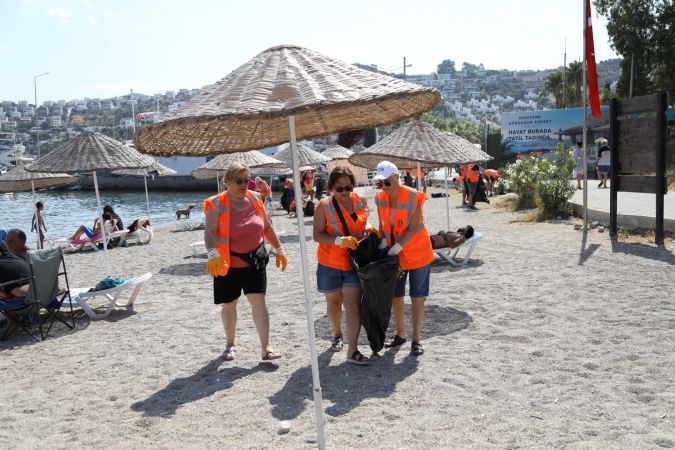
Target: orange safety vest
<point x="221" y="204"/>
<point x="265" y="190"/>
<point x="417" y="252"/>
<point x="491" y="173"/>
<point x="330" y="255"/>
<point x="459" y="180"/>
<point x="309" y="180"/>
<point x="472" y="175"/>
<point x="416" y="174"/>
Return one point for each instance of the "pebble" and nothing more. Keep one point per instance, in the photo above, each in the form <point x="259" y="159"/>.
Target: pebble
<point x="577" y="226"/>
<point x="601" y="229"/>
<point x="311" y="440"/>
<point x="284" y="427"/>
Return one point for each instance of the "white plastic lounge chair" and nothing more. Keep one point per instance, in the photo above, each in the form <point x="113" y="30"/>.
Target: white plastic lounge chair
<point x="83" y="297"/>
<point x="190" y="224"/>
<point x="142" y="235"/>
<point x="88" y="243"/>
<point x="449" y="254"/>
<point x="196" y="248"/>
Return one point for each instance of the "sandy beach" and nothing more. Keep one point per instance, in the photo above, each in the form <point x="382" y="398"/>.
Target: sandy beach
<point x="544" y="340"/>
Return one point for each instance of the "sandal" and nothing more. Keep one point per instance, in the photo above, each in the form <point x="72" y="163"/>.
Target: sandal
<point x="395" y="342"/>
<point x="230" y="354"/>
<point x="416" y="349"/>
<point x="270" y="355"/>
<point x="358" y="358"/>
<point x="338" y="344"/>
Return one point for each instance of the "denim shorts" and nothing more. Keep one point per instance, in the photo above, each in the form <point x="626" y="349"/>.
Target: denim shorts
<point x="331" y="280"/>
<point x="419" y="283"/>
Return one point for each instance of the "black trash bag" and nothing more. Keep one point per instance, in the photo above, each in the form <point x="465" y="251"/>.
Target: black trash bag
<point x="481" y="194"/>
<point x="377" y="272"/>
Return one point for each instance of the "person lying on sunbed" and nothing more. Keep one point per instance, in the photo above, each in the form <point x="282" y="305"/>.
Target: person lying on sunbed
<point x="449" y="239"/>
<point x="95" y="232"/>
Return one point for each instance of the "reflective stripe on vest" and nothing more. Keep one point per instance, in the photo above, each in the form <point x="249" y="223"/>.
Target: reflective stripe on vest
<point x="221" y="204"/>
<point x="417" y="251"/>
<point x="330" y="255"/>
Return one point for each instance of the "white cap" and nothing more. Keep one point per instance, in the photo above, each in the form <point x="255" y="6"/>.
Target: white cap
<point x="385" y="169"/>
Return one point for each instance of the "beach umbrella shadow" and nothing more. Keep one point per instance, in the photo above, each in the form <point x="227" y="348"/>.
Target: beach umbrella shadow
<point x="204" y="383"/>
<point x="345" y="385"/>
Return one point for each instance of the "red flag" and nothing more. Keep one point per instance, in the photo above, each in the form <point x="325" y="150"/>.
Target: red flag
<point x="590" y="64"/>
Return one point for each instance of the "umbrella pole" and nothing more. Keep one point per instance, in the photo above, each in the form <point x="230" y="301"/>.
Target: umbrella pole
<point x="316" y="382"/>
<point x="147" y="200"/>
<point x="102" y="225"/>
<point x="418" y="178"/>
<point x="447" y="200"/>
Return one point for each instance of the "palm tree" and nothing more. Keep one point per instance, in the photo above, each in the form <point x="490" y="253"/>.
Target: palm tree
<point x="553" y="85"/>
<point x="575" y="74"/>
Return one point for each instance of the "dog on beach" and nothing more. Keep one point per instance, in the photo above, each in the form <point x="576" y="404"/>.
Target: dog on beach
<point x="184" y="212"/>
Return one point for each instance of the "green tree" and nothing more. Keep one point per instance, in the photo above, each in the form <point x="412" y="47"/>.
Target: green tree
<point x="461" y="128"/>
<point x="447" y="66"/>
<point x="574" y="82"/>
<point x="553" y="85"/>
<point x="643" y="30"/>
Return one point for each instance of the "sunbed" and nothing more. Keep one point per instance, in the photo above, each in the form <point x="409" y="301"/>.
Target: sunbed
<point x="449" y="254"/>
<point x="86" y="299"/>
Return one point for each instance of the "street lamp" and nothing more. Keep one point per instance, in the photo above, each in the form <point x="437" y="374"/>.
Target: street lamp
<point x="404" y="66"/>
<point x="37" y="143"/>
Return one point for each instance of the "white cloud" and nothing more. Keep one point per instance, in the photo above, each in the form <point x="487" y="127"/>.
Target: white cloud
<point x="91" y="20"/>
<point x="62" y="14"/>
<point x="88" y="4"/>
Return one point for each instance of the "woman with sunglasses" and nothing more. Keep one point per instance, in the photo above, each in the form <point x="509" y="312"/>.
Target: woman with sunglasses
<point x="334" y="275"/>
<point x="402" y="224"/>
<point x="236" y="226"/>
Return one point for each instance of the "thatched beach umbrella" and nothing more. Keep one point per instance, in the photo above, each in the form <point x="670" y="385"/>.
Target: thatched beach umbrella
<point x="253" y="159"/>
<point x="154" y="169"/>
<point x="18" y="179"/>
<point x="419" y="144"/>
<point x="90" y="152"/>
<point x="337" y="152"/>
<point x="283" y="94"/>
<point x="306" y="156"/>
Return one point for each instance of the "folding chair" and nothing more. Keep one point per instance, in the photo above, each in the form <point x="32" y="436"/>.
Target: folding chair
<point x="449" y="254"/>
<point x="19" y="312"/>
<point x="47" y="266"/>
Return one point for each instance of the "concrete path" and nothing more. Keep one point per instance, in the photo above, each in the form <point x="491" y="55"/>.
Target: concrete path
<point x="634" y="210"/>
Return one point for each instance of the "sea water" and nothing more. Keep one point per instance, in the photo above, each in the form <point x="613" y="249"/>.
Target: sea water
<point x="65" y="210"/>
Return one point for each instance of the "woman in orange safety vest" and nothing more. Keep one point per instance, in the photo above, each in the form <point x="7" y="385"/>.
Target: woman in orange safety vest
<point x="402" y="225"/>
<point x="334" y="275"/>
<point x="308" y="182"/>
<point x="472" y="177"/>
<point x="236" y="225"/>
<point x="491" y="177"/>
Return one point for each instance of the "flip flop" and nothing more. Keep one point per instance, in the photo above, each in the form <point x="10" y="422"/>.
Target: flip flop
<point x="395" y="342"/>
<point x="230" y="354"/>
<point x="337" y="344"/>
<point x="416" y="349"/>
<point x="358" y="358"/>
<point x="270" y="355"/>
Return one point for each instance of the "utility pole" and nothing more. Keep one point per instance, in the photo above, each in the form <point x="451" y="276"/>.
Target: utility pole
<point x="564" y="74"/>
<point x="37" y="143"/>
<point x="404" y="66"/>
<point x="133" y="114"/>
<point x="630" y="86"/>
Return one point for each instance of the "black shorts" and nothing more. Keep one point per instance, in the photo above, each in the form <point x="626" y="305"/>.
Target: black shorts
<point x="228" y="288"/>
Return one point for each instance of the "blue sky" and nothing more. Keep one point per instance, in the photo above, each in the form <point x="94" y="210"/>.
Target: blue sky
<point x="96" y="48"/>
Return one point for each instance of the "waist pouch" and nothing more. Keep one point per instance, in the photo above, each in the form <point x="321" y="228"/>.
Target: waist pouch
<point x="257" y="259"/>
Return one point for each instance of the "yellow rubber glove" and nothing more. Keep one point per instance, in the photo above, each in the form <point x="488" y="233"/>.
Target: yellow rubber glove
<point x="280" y="258"/>
<point x="349" y="242"/>
<point x="216" y="266"/>
<point x="374" y="230"/>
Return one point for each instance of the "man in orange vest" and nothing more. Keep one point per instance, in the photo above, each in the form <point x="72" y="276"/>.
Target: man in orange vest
<point x="491" y="177"/>
<point x="402" y="225"/>
<point x="472" y="177"/>
<point x="421" y="176"/>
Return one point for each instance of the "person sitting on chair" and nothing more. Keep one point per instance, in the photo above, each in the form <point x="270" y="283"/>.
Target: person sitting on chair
<point x="109" y="209"/>
<point x="16" y="243"/>
<point x="92" y="233"/>
<point x="12" y="268"/>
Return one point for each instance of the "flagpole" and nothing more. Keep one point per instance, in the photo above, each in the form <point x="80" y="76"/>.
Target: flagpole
<point x="585" y="131"/>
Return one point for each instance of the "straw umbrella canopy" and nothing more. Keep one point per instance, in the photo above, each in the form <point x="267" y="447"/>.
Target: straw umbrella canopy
<point x="153" y="169"/>
<point x="337" y="152"/>
<point x="420" y="144"/>
<point x="283" y="94"/>
<point x="306" y="156"/>
<point x="253" y="159"/>
<point x="90" y="152"/>
<point x="18" y="179"/>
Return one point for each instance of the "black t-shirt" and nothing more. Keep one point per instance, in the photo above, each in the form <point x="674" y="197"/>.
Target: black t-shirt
<point x="12" y="268"/>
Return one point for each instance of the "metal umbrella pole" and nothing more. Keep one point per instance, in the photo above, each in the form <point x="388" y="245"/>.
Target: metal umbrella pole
<point x="316" y="382"/>
<point x="447" y="200"/>
<point x="147" y="200"/>
<point x="102" y="225"/>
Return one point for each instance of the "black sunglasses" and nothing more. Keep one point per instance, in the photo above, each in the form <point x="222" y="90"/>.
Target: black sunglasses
<point x="380" y="183"/>
<point x="344" y="188"/>
<point x="240" y="181"/>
